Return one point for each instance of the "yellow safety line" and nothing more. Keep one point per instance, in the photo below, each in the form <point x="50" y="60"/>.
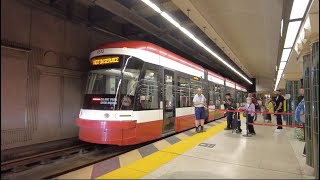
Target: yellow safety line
<point x="146" y="165"/>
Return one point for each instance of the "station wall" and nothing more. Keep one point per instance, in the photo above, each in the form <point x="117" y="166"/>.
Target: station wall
<point x="43" y="80"/>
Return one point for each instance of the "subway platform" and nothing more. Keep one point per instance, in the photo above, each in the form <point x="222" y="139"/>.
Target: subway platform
<point x="213" y="154"/>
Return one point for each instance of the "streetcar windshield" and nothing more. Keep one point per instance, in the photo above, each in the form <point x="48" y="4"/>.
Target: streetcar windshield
<point x="113" y="89"/>
<point x="106" y="81"/>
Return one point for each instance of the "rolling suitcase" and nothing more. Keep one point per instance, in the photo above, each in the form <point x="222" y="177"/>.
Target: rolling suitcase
<point x="236" y="123"/>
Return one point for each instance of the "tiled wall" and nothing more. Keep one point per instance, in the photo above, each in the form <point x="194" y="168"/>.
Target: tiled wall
<point x="42" y="81"/>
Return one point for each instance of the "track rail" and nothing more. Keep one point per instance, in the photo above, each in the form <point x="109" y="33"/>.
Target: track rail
<point x="50" y="162"/>
<point x="20" y="164"/>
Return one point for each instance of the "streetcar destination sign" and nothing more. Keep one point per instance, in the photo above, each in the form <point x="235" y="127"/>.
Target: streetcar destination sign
<point x="104" y="60"/>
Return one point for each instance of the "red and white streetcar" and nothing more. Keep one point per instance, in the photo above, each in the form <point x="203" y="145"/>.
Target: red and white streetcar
<point x="138" y="92"/>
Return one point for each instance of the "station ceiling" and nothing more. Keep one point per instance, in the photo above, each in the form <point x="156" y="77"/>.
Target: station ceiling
<point x="245" y="33"/>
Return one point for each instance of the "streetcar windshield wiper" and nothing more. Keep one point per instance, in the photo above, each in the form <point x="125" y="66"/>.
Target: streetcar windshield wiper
<point x="124" y="68"/>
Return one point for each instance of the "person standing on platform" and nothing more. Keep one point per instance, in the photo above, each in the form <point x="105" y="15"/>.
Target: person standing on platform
<point x="254" y="101"/>
<point x="199" y="102"/>
<point x="229" y="105"/>
<point x="279" y="109"/>
<point x="300" y="98"/>
<point x="249" y="112"/>
<point x="256" y="105"/>
<point x="269" y="107"/>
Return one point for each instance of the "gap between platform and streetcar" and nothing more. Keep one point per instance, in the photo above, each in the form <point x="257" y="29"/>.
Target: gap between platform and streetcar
<point x="118" y="154"/>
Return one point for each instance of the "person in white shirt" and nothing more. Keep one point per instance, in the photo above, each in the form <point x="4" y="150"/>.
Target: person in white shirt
<point x="199" y="102"/>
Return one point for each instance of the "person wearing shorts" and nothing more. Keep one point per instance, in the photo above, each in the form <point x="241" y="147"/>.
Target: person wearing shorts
<point x="199" y="102"/>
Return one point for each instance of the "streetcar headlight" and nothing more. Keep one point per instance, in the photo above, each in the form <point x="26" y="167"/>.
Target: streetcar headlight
<point x="106" y="115"/>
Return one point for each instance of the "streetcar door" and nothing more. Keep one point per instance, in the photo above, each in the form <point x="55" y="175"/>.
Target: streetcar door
<point x="169" y="105"/>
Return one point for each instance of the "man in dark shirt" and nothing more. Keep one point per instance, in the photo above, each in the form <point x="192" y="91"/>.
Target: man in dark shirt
<point x="301" y="96"/>
<point x="279" y="108"/>
<point x="255" y="102"/>
<point x="229" y="105"/>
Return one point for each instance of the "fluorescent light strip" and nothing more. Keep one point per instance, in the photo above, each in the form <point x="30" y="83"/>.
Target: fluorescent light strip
<point x="276" y="85"/>
<point x="279" y="76"/>
<point x="170" y="19"/>
<point x="153" y="6"/>
<point x="190" y="35"/>
<point x="285" y="55"/>
<point x="292" y="32"/>
<point x="281" y="27"/>
<point x="299" y="7"/>
<point x="282" y="65"/>
<point x="298" y="10"/>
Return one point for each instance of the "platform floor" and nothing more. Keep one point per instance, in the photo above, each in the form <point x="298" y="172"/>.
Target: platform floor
<point x="214" y="154"/>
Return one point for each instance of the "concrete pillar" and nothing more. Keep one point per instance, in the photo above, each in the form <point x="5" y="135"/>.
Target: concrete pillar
<point x="307" y="99"/>
<point x="315" y="105"/>
<point x="292" y="88"/>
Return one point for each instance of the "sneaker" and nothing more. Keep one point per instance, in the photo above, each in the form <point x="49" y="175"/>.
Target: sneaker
<point x="198" y="129"/>
<point x="201" y="129"/>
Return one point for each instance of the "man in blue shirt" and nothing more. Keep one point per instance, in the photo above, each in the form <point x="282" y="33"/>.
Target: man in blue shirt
<point x="200" y="104"/>
<point x="300" y="117"/>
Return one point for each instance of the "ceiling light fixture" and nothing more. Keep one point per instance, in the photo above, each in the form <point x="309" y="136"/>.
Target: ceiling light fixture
<point x="299" y="7"/>
<point x="292" y="32"/>
<point x="170" y="19"/>
<point x="285" y="55"/>
<point x="281" y="28"/>
<point x="190" y="35"/>
<point x="282" y="65"/>
<point x="280" y="72"/>
<point x="153" y="6"/>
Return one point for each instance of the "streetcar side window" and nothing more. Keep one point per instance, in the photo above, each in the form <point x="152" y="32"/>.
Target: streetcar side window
<point x="211" y="94"/>
<point x="194" y="85"/>
<point x="222" y="91"/>
<point x="183" y="91"/>
<point x="147" y="93"/>
<point x="218" y="93"/>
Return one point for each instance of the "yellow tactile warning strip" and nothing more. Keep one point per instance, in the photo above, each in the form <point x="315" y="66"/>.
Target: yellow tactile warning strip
<point x="146" y="165"/>
<point x="140" y="162"/>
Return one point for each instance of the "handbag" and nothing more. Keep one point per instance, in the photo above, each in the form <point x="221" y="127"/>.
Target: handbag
<point x="244" y="114"/>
